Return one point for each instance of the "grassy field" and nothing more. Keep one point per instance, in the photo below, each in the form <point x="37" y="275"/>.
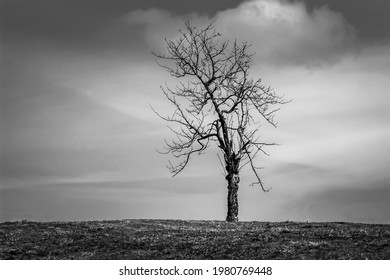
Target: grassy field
<point x="176" y="239"/>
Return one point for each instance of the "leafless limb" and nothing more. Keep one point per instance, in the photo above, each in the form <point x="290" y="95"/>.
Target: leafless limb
<point x="218" y="103"/>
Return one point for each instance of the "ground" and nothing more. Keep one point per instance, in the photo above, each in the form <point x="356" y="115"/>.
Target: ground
<point x="177" y="239"/>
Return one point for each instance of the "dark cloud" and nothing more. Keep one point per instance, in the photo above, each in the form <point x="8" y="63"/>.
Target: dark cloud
<point x="300" y="167"/>
<point x="74" y="23"/>
<point x="364" y="202"/>
<point x="93" y="23"/>
<point x="281" y="33"/>
<point x="64" y="24"/>
<point x="53" y="131"/>
<point x="96" y="26"/>
<point x="48" y="203"/>
<point x="160" y="198"/>
<point x="45" y="110"/>
<point x="287" y="33"/>
<point x="370" y="18"/>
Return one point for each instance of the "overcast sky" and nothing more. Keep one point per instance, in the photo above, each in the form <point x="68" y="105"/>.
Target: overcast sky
<point x="78" y="137"/>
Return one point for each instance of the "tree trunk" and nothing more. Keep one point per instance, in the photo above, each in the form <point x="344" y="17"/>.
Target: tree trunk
<point x="232" y="212"/>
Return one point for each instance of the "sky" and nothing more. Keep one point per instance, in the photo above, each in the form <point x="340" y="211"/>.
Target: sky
<point x="78" y="137"/>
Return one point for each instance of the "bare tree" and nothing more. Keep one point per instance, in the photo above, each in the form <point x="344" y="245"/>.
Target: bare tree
<point x="216" y="101"/>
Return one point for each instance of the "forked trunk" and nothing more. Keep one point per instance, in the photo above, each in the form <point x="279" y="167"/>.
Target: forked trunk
<point x="232" y="200"/>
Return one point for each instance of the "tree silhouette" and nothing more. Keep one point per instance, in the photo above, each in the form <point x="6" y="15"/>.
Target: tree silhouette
<point x="216" y="101"/>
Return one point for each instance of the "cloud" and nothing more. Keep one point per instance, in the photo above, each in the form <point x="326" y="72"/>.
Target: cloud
<point x="158" y="24"/>
<point x="281" y="32"/>
<point x="337" y="122"/>
<point x="285" y="32"/>
<point x="157" y="198"/>
<point x="365" y="203"/>
<point x="52" y="132"/>
<point x="42" y="112"/>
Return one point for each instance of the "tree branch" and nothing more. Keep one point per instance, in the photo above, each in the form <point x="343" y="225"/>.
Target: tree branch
<point x="219" y="103"/>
